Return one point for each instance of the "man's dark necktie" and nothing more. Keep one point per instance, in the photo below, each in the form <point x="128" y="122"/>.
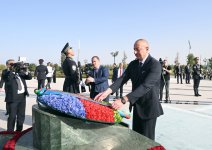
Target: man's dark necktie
<point x="140" y="66"/>
<point x="95" y="73"/>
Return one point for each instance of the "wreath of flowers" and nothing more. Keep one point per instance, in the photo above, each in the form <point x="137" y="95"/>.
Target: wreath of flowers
<point x="78" y="106"/>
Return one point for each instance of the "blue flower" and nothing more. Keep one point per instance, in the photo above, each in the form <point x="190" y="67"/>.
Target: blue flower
<point x="64" y="103"/>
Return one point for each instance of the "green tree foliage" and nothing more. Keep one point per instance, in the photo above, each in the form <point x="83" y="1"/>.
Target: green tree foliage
<point x="190" y="59"/>
<point x="32" y="67"/>
<point x="62" y="58"/>
<point x="210" y="63"/>
<point x="57" y="67"/>
<point x="2" y="67"/>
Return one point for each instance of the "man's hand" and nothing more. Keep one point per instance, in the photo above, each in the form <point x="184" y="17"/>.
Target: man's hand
<point x="89" y="79"/>
<point x="117" y="104"/>
<point x="101" y="96"/>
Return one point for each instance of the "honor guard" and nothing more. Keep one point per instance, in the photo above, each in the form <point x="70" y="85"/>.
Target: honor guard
<point x="70" y="71"/>
<point x="196" y="76"/>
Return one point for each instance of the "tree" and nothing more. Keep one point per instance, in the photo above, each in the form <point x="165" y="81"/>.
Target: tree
<point x="210" y="62"/>
<point x="190" y="59"/>
<point x="2" y="67"/>
<point x="114" y="54"/>
<point x="62" y="58"/>
<point x="32" y="67"/>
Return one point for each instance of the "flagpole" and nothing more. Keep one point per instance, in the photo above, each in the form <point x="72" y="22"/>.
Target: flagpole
<point x="189" y="46"/>
<point x="78" y="50"/>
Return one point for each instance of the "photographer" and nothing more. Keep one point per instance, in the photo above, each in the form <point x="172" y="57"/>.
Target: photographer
<point x="8" y="64"/>
<point x="165" y="79"/>
<point x="16" y="92"/>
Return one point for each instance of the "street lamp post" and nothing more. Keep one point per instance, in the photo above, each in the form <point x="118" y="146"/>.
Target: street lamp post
<point x="114" y="54"/>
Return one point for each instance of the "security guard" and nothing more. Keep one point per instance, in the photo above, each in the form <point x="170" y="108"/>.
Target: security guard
<point x="196" y="76"/>
<point x="69" y="67"/>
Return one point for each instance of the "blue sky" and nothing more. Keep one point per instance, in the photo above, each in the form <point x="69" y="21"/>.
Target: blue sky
<point x="40" y="29"/>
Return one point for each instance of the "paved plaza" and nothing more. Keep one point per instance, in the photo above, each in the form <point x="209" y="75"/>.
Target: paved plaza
<point x="185" y="125"/>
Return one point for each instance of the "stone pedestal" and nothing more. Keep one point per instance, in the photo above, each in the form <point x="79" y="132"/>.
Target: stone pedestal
<point x="54" y="131"/>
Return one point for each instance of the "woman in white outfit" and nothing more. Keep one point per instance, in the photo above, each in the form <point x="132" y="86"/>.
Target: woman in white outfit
<point x="49" y="75"/>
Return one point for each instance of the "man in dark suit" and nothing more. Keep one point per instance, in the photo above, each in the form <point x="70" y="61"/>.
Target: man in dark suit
<point x="4" y="72"/>
<point x="16" y="92"/>
<point x="40" y="72"/>
<point x="196" y="76"/>
<point x="187" y="73"/>
<point x="121" y="70"/>
<point x="145" y="74"/>
<point x="115" y="75"/>
<point x="98" y="78"/>
<point x="69" y="66"/>
<point x="179" y="73"/>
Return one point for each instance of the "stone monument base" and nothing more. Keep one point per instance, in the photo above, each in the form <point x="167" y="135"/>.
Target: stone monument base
<point x="55" y="131"/>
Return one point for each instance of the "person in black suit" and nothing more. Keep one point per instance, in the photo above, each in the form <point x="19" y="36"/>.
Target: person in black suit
<point x="196" y="76"/>
<point x="69" y="66"/>
<point x="40" y="72"/>
<point x="16" y="92"/>
<point x="4" y="72"/>
<point x="145" y="74"/>
<point x="179" y="73"/>
<point x="115" y="75"/>
<point x="121" y="70"/>
<point x="187" y="73"/>
<point x="98" y="78"/>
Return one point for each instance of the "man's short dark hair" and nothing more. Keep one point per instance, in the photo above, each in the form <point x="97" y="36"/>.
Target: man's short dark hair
<point x="95" y="57"/>
<point x="41" y="61"/>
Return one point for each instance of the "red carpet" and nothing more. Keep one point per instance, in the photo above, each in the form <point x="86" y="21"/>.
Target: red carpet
<point x="10" y="144"/>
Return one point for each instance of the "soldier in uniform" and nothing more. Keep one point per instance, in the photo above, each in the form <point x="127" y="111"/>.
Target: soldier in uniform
<point x="196" y="76"/>
<point x="69" y="67"/>
<point x="187" y="72"/>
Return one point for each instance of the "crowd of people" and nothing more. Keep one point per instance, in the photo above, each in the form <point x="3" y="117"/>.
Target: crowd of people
<point x="149" y="77"/>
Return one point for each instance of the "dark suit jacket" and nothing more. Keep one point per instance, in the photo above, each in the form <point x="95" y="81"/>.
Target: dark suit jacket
<point x="145" y="87"/>
<point x="101" y="80"/>
<point x="40" y="72"/>
<point x="2" y="78"/>
<point x="196" y="71"/>
<point x="115" y="74"/>
<point x="187" y="70"/>
<point x="179" y="70"/>
<point x="11" y="86"/>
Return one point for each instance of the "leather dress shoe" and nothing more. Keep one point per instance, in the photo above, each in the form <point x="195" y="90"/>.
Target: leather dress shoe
<point x="199" y="95"/>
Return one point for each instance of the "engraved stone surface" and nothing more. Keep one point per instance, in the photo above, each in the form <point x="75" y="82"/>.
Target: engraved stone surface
<point x="52" y="130"/>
